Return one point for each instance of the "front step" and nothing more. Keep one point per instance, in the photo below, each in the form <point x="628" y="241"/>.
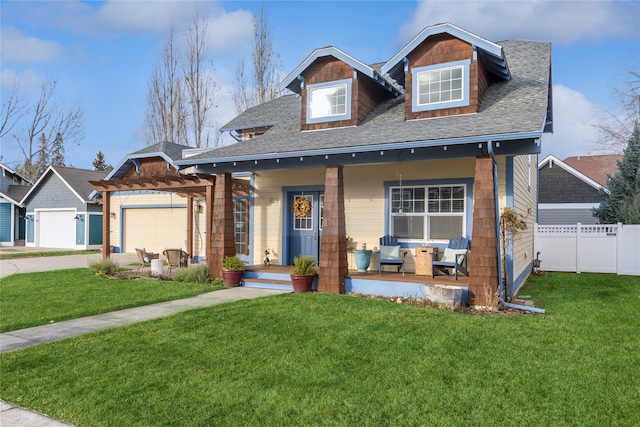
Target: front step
<point x="267" y="280"/>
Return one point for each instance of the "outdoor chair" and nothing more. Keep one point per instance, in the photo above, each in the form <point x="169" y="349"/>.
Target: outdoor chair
<point x="145" y="258"/>
<point x="176" y="258"/>
<point x="454" y="257"/>
<point x="390" y="253"/>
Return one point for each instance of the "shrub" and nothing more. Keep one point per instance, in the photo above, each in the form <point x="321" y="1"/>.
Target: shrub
<point x="304" y="266"/>
<point x="103" y="267"/>
<point x="233" y="263"/>
<point x="193" y="274"/>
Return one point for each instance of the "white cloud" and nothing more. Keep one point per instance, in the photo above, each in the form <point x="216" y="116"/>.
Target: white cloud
<point x="143" y="16"/>
<point x="562" y="22"/>
<point x="573" y="119"/>
<point x="17" y="47"/>
<point x="230" y="30"/>
<point x="28" y="79"/>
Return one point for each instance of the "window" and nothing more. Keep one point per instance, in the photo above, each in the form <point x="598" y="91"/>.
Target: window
<point x="304" y="222"/>
<point x="241" y="226"/>
<point x="329" y="101"/>
<point x="427" y="212"/>
<point x="441" y="86"/>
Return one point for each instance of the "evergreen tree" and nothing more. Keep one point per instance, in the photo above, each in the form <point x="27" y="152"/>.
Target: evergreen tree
<point x="57" y="151"/>
<point x="42" y="157"/>
<point x="622" y="203"/>
<point x="99" y="163"/>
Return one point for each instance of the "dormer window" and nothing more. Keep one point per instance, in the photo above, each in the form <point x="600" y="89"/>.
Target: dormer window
<point x="441" y="86"/>
<point x="327" y="102"/>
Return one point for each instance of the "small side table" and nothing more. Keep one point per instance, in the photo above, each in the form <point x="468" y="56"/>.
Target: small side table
<point x="423" y="260"/>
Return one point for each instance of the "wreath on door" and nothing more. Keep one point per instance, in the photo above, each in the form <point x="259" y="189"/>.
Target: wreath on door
<point x="301" y="207"/>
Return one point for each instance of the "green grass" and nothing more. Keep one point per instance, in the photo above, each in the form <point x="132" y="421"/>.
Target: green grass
<point x="316" y="359"/>
<point x="45" y="254"/>
<point x="32" y="299"/>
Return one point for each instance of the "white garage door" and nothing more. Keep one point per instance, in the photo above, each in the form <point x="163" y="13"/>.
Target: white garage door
<point x="57" y="229"/>
<point x="155" y="229"/>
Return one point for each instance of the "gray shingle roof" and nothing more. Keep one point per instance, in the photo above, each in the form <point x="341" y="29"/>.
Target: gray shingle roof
<point x="172" y="150"/>
<point x="78" y="179"/>
<point x="516" y="106"/>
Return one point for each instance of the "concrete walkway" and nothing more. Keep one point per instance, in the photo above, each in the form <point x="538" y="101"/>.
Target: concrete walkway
<point x="11" y="415"/>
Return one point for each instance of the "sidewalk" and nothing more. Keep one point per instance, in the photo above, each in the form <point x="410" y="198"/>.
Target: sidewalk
<point x="11" y="415"/>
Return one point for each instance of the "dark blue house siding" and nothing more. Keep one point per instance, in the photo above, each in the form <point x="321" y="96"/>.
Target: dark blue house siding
<point x="5" y="222"/>
<point x="95" y="229"/>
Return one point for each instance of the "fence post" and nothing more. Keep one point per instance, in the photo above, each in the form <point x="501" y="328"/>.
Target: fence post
<point x="619" y="246"/>
<point x="578" y="248"/>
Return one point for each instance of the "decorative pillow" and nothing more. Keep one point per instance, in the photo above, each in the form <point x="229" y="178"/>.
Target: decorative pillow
<point x="390" y="252"/>
<point x="450" y="255"/>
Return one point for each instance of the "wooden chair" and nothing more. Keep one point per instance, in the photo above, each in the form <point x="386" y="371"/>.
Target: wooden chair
<point x="390" y="253"/>
<point x="454" y="256"/>
<point x="176" y="258"/>
<point x="145" y="257"/>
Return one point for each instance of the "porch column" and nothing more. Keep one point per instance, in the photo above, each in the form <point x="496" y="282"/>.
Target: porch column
<point x="106" y="224"/>
<point x="189" y="248"/>
<point x="333" y="247"/>
<point x="222" y="236"/>
<point x="208" y="227"/>
<point x="483" y="262"/>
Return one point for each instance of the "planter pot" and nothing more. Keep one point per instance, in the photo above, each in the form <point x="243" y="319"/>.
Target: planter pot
<point x="231" y="278"/>
<point x="301" y="283"/>
<point x="363" y="259"/>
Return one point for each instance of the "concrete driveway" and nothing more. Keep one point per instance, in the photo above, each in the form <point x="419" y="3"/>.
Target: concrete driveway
<point x="30" y="265"/>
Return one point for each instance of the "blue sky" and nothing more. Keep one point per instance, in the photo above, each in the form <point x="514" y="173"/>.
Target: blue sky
<point x="102" y="53"/>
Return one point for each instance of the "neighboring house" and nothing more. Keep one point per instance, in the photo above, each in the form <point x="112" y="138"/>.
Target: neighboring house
<point x="425" y="147"/>
<point x="59" y="213"/>
<point x="13" y="187"/>
<point x="570" y="189"/>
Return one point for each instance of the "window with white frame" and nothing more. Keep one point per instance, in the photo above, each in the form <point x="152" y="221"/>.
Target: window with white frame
<point x="428" y="213"/>
<point x="441" y="86"/>
<point x="329" y="101"/>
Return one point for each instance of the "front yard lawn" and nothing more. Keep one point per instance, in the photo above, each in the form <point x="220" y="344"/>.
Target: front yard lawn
<point x="317" y="359"/>
<point x="32" y="299"/>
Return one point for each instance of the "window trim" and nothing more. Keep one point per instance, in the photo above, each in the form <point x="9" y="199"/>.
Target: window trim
<point x="334" y="83"/>
<point x="464" y="102"/>
<point x="467" y="216"/>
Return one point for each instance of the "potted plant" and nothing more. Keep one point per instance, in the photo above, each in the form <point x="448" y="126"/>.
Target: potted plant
<point x="302" y="273"/>
<point x="232" y="268"/>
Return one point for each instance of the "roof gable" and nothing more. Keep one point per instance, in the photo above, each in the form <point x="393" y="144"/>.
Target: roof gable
<point x="77" y="180"/>
<point x="294" y="83"/>
<point x="552" y="161"/>
<point x="492" y="53"/>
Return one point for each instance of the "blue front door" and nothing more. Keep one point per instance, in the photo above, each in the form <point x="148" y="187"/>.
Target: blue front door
<point x="305" y="224"/>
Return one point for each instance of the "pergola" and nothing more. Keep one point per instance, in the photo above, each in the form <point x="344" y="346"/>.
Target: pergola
<point x="155" y="174"/>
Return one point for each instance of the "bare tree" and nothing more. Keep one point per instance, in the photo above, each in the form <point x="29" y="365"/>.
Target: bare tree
<point x="166" y="115"/>
<point x="262" y="85"/>
<point x="15" y="107"/>
<point x="46" y="116"/>
<point x="199" y="80"/>
<point x="616" y="128"/>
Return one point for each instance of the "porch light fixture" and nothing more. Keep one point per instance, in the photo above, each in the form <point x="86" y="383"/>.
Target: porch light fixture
<point x="413" y="150"/>
<point x="76" y="217"/>
<point x="112" y="215"/>
<point x="301" y="158"/>
<point x="382" y="153"/>
<point x="445" y="148"/>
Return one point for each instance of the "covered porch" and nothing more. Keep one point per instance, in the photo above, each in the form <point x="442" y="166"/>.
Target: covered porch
<point x="441" y="288"/>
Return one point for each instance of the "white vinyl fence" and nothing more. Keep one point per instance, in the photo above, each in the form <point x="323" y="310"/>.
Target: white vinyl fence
<point x="589" y="248"/>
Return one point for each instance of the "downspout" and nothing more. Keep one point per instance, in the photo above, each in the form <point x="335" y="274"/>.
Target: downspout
<point x="497" y="208"/>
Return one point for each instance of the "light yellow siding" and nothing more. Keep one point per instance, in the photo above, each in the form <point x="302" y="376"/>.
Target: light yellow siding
<point x="364" y="199"/>
<point x="524" y="202"/>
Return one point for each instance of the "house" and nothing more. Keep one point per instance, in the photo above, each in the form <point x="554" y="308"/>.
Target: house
<point x="569" y="189"/>
<point x="13" y="187"/>
<point x="425" y="147"/>
<point x="59" y="213"/>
